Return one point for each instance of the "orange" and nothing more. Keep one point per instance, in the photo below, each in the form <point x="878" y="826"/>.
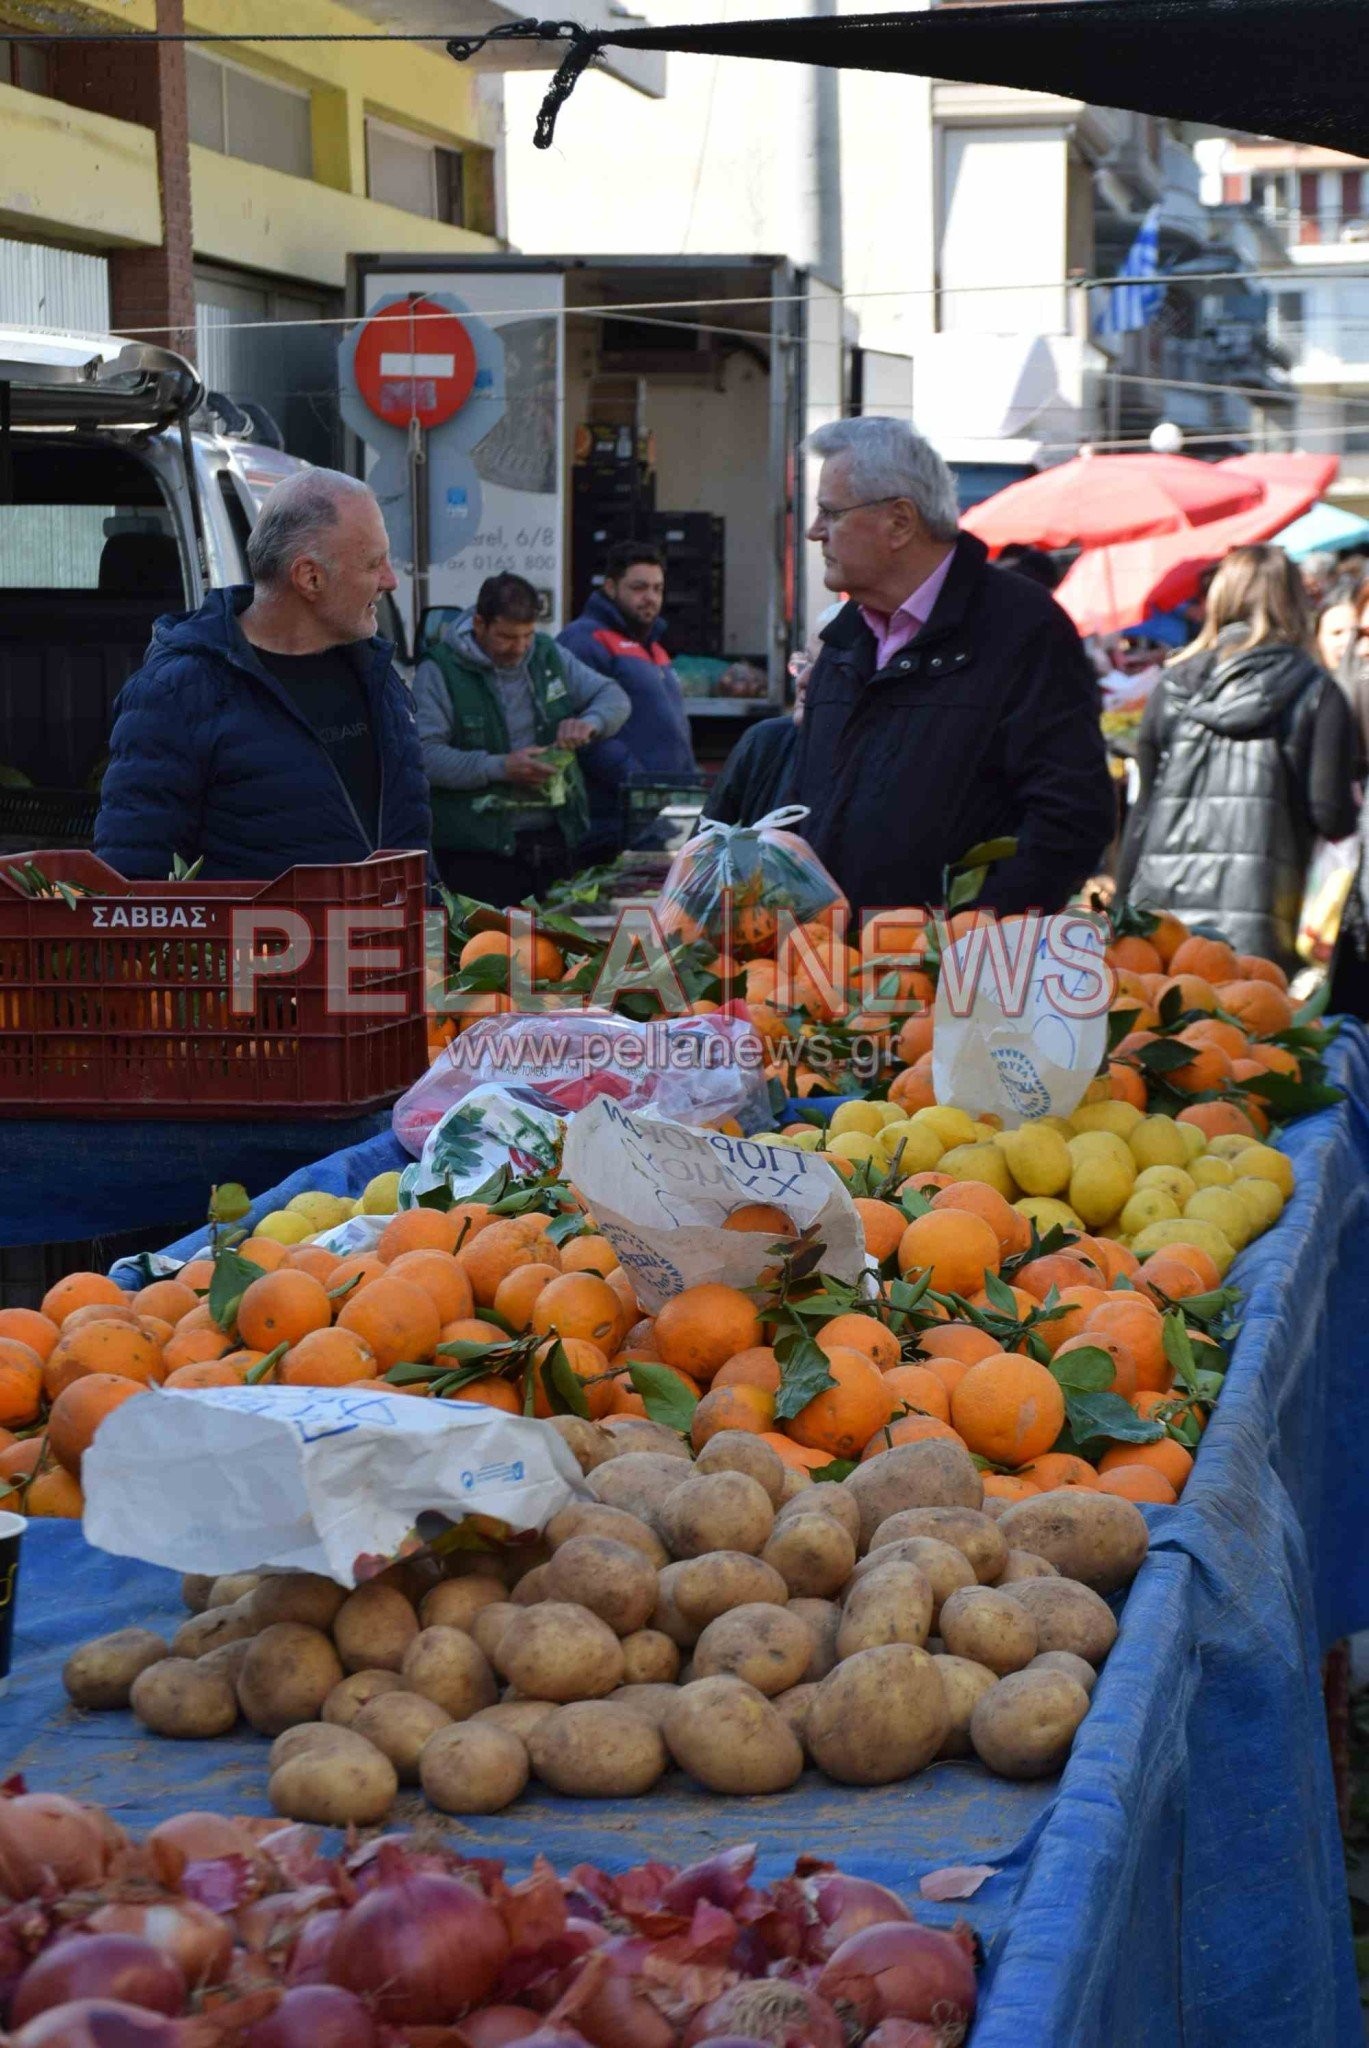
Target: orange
<point x="1125" y="1084"/>
<point x="951" y="1371"/>
<point x="469" y="1217"/>
<point x="1208" y="1068"/>
<point x="1138" y="1325"/>
<point x="197" y="1318"/>
<point x="705" y="1325"/>
<point x="1194" y="992"/>
<point x="100" y="1312"/>
<point x="1167" y="934"/>
<point x="1228" y="1038"/>
<point x="1079" y="1302"/>
<point x="914" y="1039"/>
<point x="883" y="1225"/>
<point x="1123" y="1380"/>
<point x="21" y="1383"/>
<point x="912" y="1089"/>
<point x="27" y="1326"/>
<point x="208" y="1372"/>
<point x="1060" y="1270"/>
<point x="732" y="1407"/>
<point x="516" y="1294"/>
<point x="1212" y="959"/>
<point x="282" y="1307"/>
<point x="626" y="1399"/>
<point x="264" y="1252"/>
<point x="79" y="1290"/>
<point x="1059" y="1468"/>
<point x="1113" y="1259"/>
<point x="1008" y="1486"/>
<point x="493" y="1254"/>
<point x="1139" y="1483"/>
<point x="1009" y="1409"/>
<point x="169" y="1298"/>
<point x="1169" y="1408"/>
<point x="579" y="1305"/>
<point x="589" y="1254"/>
<point x="1253" y="967"/>
<point x="640" y="1343"/>
<point x="763" y="1217"/>
<point x="195" y="1347"/>
<point x="979" y="1199"/>
<point x="78" y="1412"/>
<point x="399" y="1321"/>
<point x="755" y="1367"/>
<point x="1024" y="1304"/>
<point x="353" y="1274"/>
<point x="416" y="1230"/>
<point x="959" y="1249"/>
<point x="1173" y="1274"/>
<point x="964" y="1341"/>
<point x="588" y="1362"/>
<point x="1136" y="955"/>
<point x="1166" y="1457"/>
<point x="926" y="1183"/>
<point x="155" y="1327"/>
<point x="196" y="1274"/>
<point x="471" y="1330"/>
<point x="1217" y="1119"/>
<point x="842" y="1420"/>
<point x="539" y="956"/>
<point x="314" y="1259"/>
<point x="913" y="1386"/>
<point x="326" y="1358"/>
<point x="438" y="1274"/>
<point x="910" y="1429"/>
<point x="796" y="1456"/>
<point x="18" y="1462"/>
<point x="119" y="1348"/>
<point x="1263" y="1009"/>
<point x="55" y="1495"/>
<point x="489" y="1392"/>
<point x="1275" y="1059"/>
<point x="866" y="1334"/>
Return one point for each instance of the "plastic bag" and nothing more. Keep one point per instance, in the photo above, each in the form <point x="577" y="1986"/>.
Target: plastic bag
<point x="489" y="1129"/>
<point x="730" y="884"/>
<point x="694" y="1070"/>
<point x="1021" y="1016"/>
<point x="1329" y="881"/>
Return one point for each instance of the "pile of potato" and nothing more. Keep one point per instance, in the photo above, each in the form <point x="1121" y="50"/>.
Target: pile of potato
<point x="706" y="1614"/>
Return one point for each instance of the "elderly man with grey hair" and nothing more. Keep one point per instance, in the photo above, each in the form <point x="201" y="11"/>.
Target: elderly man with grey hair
<point x="951" y="703"/>
<point x="269" y="728"/>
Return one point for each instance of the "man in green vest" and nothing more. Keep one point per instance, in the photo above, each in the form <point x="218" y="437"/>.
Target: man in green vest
<point x="502" y="711"/>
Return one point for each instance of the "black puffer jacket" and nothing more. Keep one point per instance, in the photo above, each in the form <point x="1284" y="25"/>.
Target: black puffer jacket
<point x="1244" y="759"/>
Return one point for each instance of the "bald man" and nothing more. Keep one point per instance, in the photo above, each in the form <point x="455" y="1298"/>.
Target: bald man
<point x="269" y="729"/>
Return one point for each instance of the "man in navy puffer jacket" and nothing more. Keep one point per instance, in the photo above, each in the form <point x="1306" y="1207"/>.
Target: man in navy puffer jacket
<point x="269" y="728"/>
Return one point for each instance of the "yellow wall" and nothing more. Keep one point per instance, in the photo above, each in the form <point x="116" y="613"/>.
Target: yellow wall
<point x="80" y="176"/>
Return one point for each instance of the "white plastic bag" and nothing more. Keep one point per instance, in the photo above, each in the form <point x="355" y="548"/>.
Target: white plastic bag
<point x="488" y="1129"/>
<point x="318" y="1479"/>
<point x="1021" y="1016"/>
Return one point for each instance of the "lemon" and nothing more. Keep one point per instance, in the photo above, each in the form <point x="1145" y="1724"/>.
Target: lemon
<point x="805" y="1141"/>
<point x="1220" y="1207"/>
<point x="1038" y="1159"/>
<point x="1103" y="1145"/>
<point x="986" y="1131"/>
<point x="1101" y="1185"/>
<point x="229" y="1202"/>
<point x="980" y="1161"/>
<point x="1172" y="1179"/>
<point x="890" y="1112"/>
<point x="921" y="1146"/>
<point x="1194" y="1139"/>
<point x="1230" y="1145"/>
<point x="1119" y="1117"/>
<point x="1059" y="1124"/>
<point x="851" y="1145"/>
<point x="1148" y="1205"/>
<point x="284" y="1227"/>
<point x="380" y="1197"/>
<point x="1209" y="1172"/>
<point x="1192" y="1230"/>
<point x="1262" y="1162"/>
<point x="1262" y="1200"/>
<point x="1045" y="1213"/>
<point x="951" y="1125"/>
<point x="1157" y="1141"/>
<point x="863" y="1117"/>
<point x="320" y="1211"/>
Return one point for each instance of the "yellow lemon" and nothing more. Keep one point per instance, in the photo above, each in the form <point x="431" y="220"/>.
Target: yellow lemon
<point x="1262" y="1200"/>
<point x="855" y="1116"/>
<point x="1101" y="1185"/>
<point x="1038" y="1159"/>
<point x="855" y="1145"/>
<point x="1262" y="1162"/>
<point x="1209" y="1172"/>
<point x="1157" y="1141"/>
<point x="1220" y="1207"/>
<point x="1187" y="1230"/>
<point x="1230" y="1145"/>
<point x="980" y="1161"/>
<point x="1045" y="1213"/>
<point x="951" y="1125"/>
<point x="1146" y="1206"/>
<point x="1172" y="1179"/>
<point x="1121" y="1118"/>
<point x="890" y="1113"/>
<point x="1194" y="1139"/>
<point x="284" y="1227"/>
<point x="320" y="1211"/>
<point x="921" y="1147"/>
<point x="380" y="1197"/>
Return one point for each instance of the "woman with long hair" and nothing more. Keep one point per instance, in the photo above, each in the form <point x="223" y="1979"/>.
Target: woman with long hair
<point x="1248" y="751"/>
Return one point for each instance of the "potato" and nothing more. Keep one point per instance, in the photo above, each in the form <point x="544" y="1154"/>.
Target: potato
<point x="351" y="1786"/>
<point x="931" y="1474"/>
<point x="196" y="1588"/>
<point x="455" y="1603"/>
<point x="593" y="1749"/>
<point x="699" y="1589"/>
<point x="233" y="1586"/>
<point x="309" y="1735"/>
<point x="590" y="1446"/>
<point x="767" y="1647"/>
<point x="592" y="1518"/>
<point x="995" y="1507"/>
<point x="969" y="1529"/>
<point x="796" y="1481"/>
<point x="1024" y="1727"/>
<point x="892" y="1605"/>
<point x="964" y="1684"/>
<point x="473" y="1767"/>
<point x="945" y="1568"/>
<point x="177" y="1697"/>
<point x="374" y="1627"/>
<point x="287" y="1674"/>
<point x="449" y="1667"/>
<point x="880" y="1716"/>
<point x="560" y="1652"/>
<point x="1066" y="1661"/>
<point x="611" y="1579"/>
<point x="227" y="1659"/>
<point x="652" y="1701"/>
<point x="639" y="1482"/>
<point x="303" y="1597"/>
<point x="520" y="1717"/>
<point x="399" y="1723"/>
<point x="490" y="1624"/>
<point x="988" y="1628"/>
<point x="100" y="1674"/>
<point x="1068" y="1616"/>
<point x="649" y="1658"/>
<point x="813" y="1554"/>
<point x="729" y="1737"/>
<point x="826" y="1499"/>
<point x="726" y="1511"/>
<point x="640" y="1433"/>
<point x="794" y="1705"/>
<point x="531" y="1588"/>
<point x="215" y="1627"/>
<point x="347" y="1698"/>
<point x="736" y="1450"/>
<point x="1025" y="1564"/>
<point x="824" y="1619"/>
<point x="1098" y="1538"/>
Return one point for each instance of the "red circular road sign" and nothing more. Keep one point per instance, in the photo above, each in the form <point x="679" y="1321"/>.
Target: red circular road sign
<point x="414" y="360"/>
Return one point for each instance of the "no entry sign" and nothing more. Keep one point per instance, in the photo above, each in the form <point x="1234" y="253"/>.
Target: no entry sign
<point x="414" y="360"/>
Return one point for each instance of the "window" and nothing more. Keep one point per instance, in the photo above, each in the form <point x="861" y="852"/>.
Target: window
<point x="63" y="547"/>
<point x="418" y="176"/>
<point x="240" y="113"/>
<point x="27" y="65"/>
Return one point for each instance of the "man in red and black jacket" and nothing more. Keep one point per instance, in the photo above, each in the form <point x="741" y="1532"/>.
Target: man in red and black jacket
<point x="619" y="633"/>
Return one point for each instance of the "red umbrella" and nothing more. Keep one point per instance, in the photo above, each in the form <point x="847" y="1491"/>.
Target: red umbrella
<point x="1100" y="500"/>
<point x="1317" y="472"/>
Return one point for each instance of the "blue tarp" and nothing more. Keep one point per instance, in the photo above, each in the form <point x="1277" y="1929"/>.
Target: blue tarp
<point x="1183" y="1883"/>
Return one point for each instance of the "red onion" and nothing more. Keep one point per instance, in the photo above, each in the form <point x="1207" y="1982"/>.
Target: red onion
<point x="314" y="2016"/>
<point x="498" y="2024"/>
<point x="769" y="2009"/>
<point x="45" y="1839"/>
<point x="909" y="2034"/>
<point x="194" y="1938"/>
<point x="609" y="2002"/>
<point x="99" y="2023"/>
<point x="554" y="2037"/>
<point x="309" y="1960"/>
<point x="845" y="1905"/>
<point x="421" y="1948"/>
<point x="196" y="1838"/>
<point x="117" y="1966"/>
<point x="719" y="1879"/>
<point x="269" y="1926"/>
<point x="904" y="1971"/>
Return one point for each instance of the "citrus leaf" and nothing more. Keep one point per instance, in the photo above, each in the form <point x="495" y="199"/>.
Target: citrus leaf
<point x="562" y="1387"/>
<point x="264" y="1367"/>
<point x="562" y="1229"/>
<point x="1089" y="1370"/>
<point x="466" y="1349"/>
<point x="839" y="1469"/>
<point x="1171" y="1009"/>
<point x="804" y="1374"/>
<point x="1120" y="1024"/>
<point x="1000" y="1296"/>
<point x="1092" y="1416"/>
<point x="1165" y="1056"/>
<point x="1178" y="1348"/>
<point x="233" y="1275"/>
<point x="986" y="853"/>
<point x="664" y="1395"/>
<point x="905" y="1295"/>
<point x="1289" y="1097"/>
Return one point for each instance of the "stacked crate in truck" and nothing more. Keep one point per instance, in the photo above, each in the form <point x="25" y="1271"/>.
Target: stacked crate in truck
<point x="692" y="543"/>
<point x="613" y="498"/>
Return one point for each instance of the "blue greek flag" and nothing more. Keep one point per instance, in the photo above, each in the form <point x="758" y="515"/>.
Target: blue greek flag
<point x="1125" y="308"/>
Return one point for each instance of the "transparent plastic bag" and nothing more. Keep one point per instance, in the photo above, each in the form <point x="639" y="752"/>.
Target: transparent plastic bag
<point x="731" y="884"/>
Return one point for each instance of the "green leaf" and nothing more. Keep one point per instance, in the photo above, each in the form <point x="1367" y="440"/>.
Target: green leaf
<point x="347" y="1287"/>
<point x="1178" y="1348"/>
<point x="229" y="1202"/>
<point x="264" y="1367"/>
<point x="913" y="1204"/>
<point x="999" y="1295"/>
<point x="1316" y="1005"/>
<point x="986" y="853"/>
<point x="1120" y="1024"/>
<point x="1165" y="1056"/>
<point x="1171" y="1009"/>
<point x="562" y="1387"/>
<point x="804" y="1374"/>
<point x="233" y="1275"/>
<point x="1289" y="1097"/>
<point x="664" y="1395"/>
<point x="467" y="1348"/>
<point x="833" y="1474"/>
<point x="906" y="1295"/>
<point x="562" y="1229"/>
<point x="410" y="1373"/>
<point x="965" y="888"/>
<point x="1092" y="1416"/>
<point x="1089" y="1370"/>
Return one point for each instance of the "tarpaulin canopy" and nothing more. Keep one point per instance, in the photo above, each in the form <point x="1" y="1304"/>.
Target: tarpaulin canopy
<point x="1324" y="527"/>
<point x="1100" y="500"/>
<point x="1288" y="68"/>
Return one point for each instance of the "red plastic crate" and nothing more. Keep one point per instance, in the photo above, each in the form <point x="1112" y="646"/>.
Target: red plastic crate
<point x="124" y="1004"/>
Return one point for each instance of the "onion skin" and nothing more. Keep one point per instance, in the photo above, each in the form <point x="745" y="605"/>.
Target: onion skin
<point x="117" y="1966"/>
<point x="908" y="2034"/>
<point x="194" y="1938"/>
<point x="904" y="1971"/>
<point x="309" y="1960"/>
<point x="615" y="2012"/>
<point x="99" y="2023"/>
<point x="315" y="2016"/>
<point x="773" y="2010"/>
<point x="844" y="1905"/>
<point x="196" y="1838"/>
<point x="47" y="1840"/>
<point x="721" y="1880"/>
<point x="420" y="1949"/>
<point x="499" y="2024"/>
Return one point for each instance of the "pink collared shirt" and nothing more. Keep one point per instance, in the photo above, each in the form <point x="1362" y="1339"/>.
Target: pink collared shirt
<point x="894" y="630"/>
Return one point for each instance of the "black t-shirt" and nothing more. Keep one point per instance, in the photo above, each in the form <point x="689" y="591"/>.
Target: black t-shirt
<point x="327" y="690"/>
